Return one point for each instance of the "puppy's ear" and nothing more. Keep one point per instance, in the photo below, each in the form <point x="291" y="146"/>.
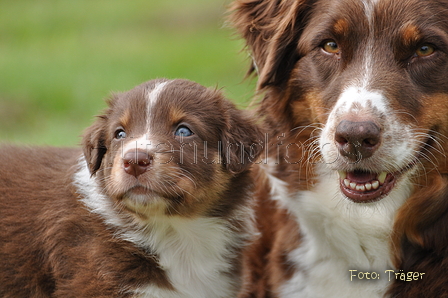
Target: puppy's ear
<point x="241" y="141"/>
<point x="94" y="143"/>
<point x="272" y="30"/>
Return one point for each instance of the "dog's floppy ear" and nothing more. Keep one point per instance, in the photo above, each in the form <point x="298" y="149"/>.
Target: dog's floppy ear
<point x="272" y="30"/>
<point x="241" y="141"/>
<point x="94" y="143"/>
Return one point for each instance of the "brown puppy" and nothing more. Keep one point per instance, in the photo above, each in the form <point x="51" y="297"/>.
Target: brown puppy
<point x="354" y="199"/>
<point x="157" y="206"/>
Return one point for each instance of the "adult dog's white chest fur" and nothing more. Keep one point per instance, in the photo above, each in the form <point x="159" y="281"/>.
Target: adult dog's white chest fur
<point x="338" y="236"/>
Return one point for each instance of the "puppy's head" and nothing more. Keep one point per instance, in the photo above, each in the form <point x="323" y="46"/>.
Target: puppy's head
<point x="170" y="146"/>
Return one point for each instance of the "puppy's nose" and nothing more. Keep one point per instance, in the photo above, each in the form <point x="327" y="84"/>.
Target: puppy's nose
<point x="136" y="163"/>
<point x="357" y="140"/>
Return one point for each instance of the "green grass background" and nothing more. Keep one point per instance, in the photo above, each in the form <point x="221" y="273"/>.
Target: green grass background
<point x="60" y="58"/>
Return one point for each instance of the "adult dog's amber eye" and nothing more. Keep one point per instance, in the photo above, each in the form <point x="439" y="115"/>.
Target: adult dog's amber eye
<point x="330" y="46"/>
<point x="425" y="50"/>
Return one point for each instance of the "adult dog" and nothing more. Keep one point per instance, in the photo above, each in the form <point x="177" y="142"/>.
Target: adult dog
<point x="353" y="199"/>
<point x="157" y="206"/>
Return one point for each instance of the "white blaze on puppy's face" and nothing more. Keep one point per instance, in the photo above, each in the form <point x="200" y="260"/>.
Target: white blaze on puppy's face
<point x="153" y="97"/>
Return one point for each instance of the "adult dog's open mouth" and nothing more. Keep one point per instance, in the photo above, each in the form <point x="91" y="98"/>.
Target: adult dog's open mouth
<point x="365" y="187"/>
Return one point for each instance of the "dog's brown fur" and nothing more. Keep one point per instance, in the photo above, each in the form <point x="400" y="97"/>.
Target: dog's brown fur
<point x="300" y="84"/>
<point x="64" y="215"/>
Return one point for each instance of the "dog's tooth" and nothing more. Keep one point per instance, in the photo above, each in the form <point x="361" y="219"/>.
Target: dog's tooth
<point x="346" y="182"/>
<point x="375" y="184"/>
<point x="382" y="177"/>
<point x="360" y="187"/>
<point x="352" y="185"/>
<point x="342" y="175"/>
<point x="368" y="186"/>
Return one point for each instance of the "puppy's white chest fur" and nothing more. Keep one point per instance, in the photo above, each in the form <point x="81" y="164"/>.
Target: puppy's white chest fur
<point x="194" y="252"/>
<point x="339" y="236"/>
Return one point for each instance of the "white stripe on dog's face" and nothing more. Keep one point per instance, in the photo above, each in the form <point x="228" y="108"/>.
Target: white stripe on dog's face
<point x="143" y="142"/>
<point x="369" y="7"/>
<point x="368" y="63"/>
<point x="358" y="98"/>
<point x="153" y="97"/>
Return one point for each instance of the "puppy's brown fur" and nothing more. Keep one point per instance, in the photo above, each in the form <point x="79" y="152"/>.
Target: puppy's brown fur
<point x="108" y="224"/>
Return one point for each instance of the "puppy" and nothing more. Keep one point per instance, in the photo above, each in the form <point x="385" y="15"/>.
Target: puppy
<point x="158" y="204"/>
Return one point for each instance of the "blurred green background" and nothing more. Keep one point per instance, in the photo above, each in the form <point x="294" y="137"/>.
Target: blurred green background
<point x="60" y="58"/>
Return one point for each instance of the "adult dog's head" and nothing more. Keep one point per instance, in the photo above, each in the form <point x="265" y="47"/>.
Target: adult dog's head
<point x="369" y="75"/>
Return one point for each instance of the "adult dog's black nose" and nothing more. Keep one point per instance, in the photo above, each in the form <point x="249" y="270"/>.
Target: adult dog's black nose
<point x="357" y="140"/>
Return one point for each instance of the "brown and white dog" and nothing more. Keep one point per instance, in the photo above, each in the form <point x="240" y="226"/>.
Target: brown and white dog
<point x="353" y="198"/>
<point x="158" y="205"/>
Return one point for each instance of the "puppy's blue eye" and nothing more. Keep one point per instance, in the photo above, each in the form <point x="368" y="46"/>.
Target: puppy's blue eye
<point x="183" y="131"/>
<point x="120" y="134"/>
